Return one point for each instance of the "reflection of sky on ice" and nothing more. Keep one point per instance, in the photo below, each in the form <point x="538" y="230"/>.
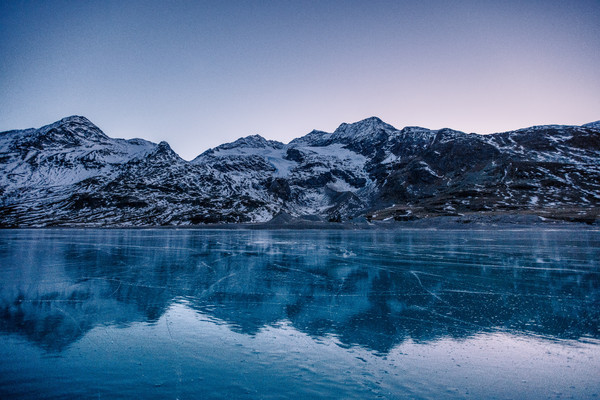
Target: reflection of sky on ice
<point x="328" y="314"/>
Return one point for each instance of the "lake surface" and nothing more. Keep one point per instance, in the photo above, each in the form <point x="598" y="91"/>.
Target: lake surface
<point x="299" y="314"/>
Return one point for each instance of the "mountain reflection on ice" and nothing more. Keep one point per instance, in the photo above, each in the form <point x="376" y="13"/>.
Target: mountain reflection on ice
<point x="366" y="292"/>
<point x="372" y="289"/>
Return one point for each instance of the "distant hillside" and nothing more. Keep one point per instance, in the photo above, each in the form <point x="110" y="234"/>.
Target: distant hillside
<point x="70" y="173"/>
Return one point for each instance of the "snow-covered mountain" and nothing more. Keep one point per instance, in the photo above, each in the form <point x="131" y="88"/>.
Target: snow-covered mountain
<point x="71" y="174"/>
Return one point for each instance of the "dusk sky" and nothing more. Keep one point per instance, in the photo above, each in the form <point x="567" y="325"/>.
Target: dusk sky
<point x="201" y="73"/>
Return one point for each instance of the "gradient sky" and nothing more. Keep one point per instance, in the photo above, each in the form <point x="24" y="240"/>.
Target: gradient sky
<point x="200" y="73"/>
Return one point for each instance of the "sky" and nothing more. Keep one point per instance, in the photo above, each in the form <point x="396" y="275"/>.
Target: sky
<point x="201" y="73"/>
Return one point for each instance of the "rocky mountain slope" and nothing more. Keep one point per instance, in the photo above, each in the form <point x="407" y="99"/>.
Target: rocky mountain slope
<point x="71" y="174"/>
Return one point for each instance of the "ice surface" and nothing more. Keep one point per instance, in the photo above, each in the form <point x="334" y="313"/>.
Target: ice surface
<point x="411" y="314"/>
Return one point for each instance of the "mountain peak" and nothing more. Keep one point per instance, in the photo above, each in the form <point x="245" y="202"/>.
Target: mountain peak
<point x="371" y="122"/>
<point x="74" y="126"/>
<point x="313" y="137"/>
<point x="252" y="141"/>
<point x="164" y="146"/>
<point x="163" y="151"/>
<point x="75" y="119"/>
<point x="361" y="129"/>
<point x="71" y="123"/>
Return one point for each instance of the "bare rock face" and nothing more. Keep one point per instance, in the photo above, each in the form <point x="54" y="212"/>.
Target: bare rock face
<point x="71" y="174"/>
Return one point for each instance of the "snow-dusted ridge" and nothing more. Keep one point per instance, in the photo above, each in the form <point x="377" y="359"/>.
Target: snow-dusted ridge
<point x="592" y="125"/>
<point x="70" y="173"/>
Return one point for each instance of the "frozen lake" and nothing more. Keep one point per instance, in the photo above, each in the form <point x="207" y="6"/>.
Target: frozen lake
<point x="299" y="314"/>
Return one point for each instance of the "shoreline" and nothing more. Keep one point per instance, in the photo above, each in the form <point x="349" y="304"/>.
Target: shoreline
<point x="471" y="223"/>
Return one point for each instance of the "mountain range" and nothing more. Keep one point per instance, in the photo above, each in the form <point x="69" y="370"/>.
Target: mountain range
<point x="70" y="173"/>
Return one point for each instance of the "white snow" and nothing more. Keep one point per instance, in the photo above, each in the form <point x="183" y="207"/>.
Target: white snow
<point x="533" y="200"/>
<point x="282" y="166"/>
<point x="428" y="169"/>
<point x="391" y="158"/>
<point x="340" y="186"/>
